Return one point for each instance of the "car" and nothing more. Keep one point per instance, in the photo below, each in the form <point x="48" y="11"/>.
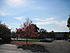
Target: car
<point x="47" y="40"/>
<point x="68" y="40"/>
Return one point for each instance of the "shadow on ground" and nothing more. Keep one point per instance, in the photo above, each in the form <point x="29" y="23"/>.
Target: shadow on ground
<point x="4" y="42"/>
<point x="34" y="48"/>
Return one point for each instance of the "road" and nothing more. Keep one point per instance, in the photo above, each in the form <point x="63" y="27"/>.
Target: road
<point x="8" y="48"/>
<point x="57" y="46"/>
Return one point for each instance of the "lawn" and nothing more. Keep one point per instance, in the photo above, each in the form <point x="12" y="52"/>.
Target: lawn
<point x="23" y="42"/>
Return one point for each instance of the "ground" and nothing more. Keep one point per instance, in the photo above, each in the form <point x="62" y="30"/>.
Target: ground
<point x="57" y="46"/>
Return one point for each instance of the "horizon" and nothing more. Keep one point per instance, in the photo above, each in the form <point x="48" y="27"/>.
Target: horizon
<point x="46" y="14"/>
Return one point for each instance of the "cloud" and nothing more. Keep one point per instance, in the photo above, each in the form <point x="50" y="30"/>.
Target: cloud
<point x="50" y="20"/>
<point x="43" y="23"/>
<point x="61" y="23"/>
<point x="17" y="3"/>
<point x="13" y="25"/>
<point x="18" y="18"/>
<point x="8" y="25"/>
<point x="4" y="13"/>
<point x="51" y="24"/>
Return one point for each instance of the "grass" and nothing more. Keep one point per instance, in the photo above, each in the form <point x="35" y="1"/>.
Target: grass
<point x="23" y="42"/>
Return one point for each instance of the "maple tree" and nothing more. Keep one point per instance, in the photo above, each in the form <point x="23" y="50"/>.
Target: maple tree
<point x="28" y="29"/>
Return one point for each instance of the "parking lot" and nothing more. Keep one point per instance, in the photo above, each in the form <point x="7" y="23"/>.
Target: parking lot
<point x="57" y="46"/>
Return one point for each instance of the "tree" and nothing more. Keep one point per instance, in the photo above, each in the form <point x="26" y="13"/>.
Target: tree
<point x="42" y="33"/>
<point x="13" y="35"/>
<point x="52" y="34"/>
<point x="42" y="30"/>
<point x="68" y="23"/>
<point x="28" y="30"/>
<point x="5" y="33"/>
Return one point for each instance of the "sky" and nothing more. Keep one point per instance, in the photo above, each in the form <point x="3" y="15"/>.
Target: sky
<point x="46" y="14"/>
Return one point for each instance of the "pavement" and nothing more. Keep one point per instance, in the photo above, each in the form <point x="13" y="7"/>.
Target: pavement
<point x="8" y="48"/>
<point x="57" y="46"/>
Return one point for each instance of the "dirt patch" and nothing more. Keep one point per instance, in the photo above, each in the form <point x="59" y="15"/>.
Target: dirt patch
<point x="21" y="42"/>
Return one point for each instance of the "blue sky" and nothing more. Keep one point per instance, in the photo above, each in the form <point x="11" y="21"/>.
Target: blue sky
<point x="47" y="14"/>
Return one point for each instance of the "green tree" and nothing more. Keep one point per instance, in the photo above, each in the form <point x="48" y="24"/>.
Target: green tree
<point x="68" y="23"/>
<point x="5" y="33"/>
<point x="42" y="33"/>
<point x="13" y="35"/>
